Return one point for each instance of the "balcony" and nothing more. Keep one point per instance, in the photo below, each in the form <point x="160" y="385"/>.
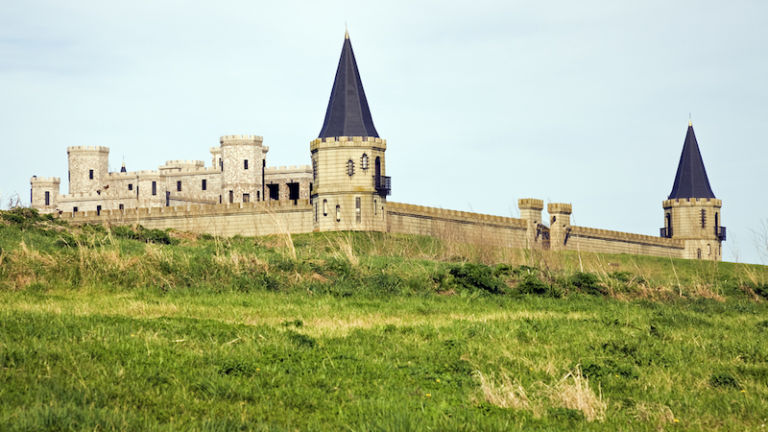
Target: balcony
<point x="665" y="232"/>
<point x="383" y="185"/>
<point x="720" y="232"/>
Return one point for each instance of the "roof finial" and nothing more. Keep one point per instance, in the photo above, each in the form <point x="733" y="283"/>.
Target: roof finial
<point x="346" y="31"/>
<point x="690" y="123"/>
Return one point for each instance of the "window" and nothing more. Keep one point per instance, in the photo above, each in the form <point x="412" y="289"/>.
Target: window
<point x="698" y="253"/>
<point x="703" y="218"/>
<point x="231" y="197"/>
<point x="154" y="188"/>
<point x="293" y="191"/>
<point x="130" y="186"/>
<point x="350" y="167"/>
<point x="246" y="197"/>
<point x="364" y="162"/>
<point x="274" y="191"/>
<point x="47" y="198"/>
<point x="338" y="213"/>
<point x="98" y="210"/>
<point x="325" y="207"/>
<point x="709" y="250"/>
<point x="375" y="206"/>
<point x="205" y="184"/>
<point x="315" y="212"/>
<point x="74" y="210"/>
<point x="314" y="169"/>
<point x="358" y="213"/>
<point x="258" y="195"/>
<point x="90" y="174"/>
<point x="121" y="207"/>
<point x="245" y="164"/>
<point x="178" y="186"/>
<point x="221" y="164"/>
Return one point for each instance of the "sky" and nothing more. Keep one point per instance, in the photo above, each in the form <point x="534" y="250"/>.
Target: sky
<point x="481" y="102"/>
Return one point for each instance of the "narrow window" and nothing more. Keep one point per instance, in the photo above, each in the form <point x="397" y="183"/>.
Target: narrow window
<point x="74" y="210"/>
<point x="698" y="253"/>
<point x="709" y="250"/>
<point x="338" y="213"/>
<point x="245" y="164"/>
<point x="130" y="186"/>
<point x="717" y="223"/>
<point x="364" y="162"/>
<point x="703" y="218"/>
<point x="231" y="197"/>
<point x="178" y="186"/>
<point x="221" y="164"/>
<point x="90" y="174"/>
<point x="350" y="167"/>
<point x="246" y="197"/>
<point x="205" y="184"/>
<point x="121" y="207"/>
<point x="375" y="206"/>
<point x="98" y="210"/>
<point x="219" y="199"/>
<point x="154" y="188"/>
<point x="325" y="207"/>
<point x="358" y="213"/>
<point x="47" y="198"/>
<point x="258" y="195"/>
<point x="315" y="212"/>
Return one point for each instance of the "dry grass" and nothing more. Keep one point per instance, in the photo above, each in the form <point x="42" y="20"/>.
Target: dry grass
<point x="503" y="391"/>
<point x="573" y="392"/>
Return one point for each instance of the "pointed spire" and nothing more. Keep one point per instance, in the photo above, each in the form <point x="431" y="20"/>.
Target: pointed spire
<point x="691" y="180"/>
<point x="347" y="113"/>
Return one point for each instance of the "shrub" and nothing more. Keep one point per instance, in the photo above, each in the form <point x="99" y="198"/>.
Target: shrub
<point x="725" y="380"/>
<point x="530" y="284"/>
<point x="761" y="290"/>
<point x="477" y="276"/>
<point x="587" y="283"/>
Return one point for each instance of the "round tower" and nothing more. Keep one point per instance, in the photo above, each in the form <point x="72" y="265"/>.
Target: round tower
<point x="691" y="212"/>
<point x="88" y="168"/>
<point x="241" y="162"/>
<point x="350" y="185"/>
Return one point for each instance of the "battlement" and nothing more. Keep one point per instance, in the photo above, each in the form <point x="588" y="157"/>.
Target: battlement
<point x="530" y="204"/>
<point x="608" y="235"/>
<point x="343" y="141"/>
<point x="83" y="149"/>
<point x="287" y="169"/>
<point x="411" y="209"/>
<point x="45" y="180"/>
<point x="559" y="208"/>
<point x="240" y="139"/>
<point x="183" y="163"/>
<point x="691" y="202"/>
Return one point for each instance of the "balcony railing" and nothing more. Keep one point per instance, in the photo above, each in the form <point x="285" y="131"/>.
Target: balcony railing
<point x="383" y="185"/>
<point x="720" y="231"/>
<point x="665" y="232"/>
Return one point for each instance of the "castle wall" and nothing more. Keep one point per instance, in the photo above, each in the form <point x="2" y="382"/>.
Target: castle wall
<point x="586" y="239"/>
<point x="455" y="225"/>
<point x="247" y="219"/>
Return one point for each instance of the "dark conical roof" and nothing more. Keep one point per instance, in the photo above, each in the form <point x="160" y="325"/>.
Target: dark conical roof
<point x="348" y="113"/>
<point x="691" y="180"/>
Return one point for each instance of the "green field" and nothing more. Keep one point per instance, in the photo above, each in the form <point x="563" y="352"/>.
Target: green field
<point x="133" y="329"/>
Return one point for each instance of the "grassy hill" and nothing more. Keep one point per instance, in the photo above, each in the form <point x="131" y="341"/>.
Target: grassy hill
<point x="135" y="329"/>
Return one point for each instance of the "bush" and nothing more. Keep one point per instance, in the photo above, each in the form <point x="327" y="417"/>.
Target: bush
<point x="530" y="284"/>
<point x="24" y="217"/>
<point x="761" y="290"/>
<point x="724" y="380"/>
<point x="477" y="276"/>
<point x="587" y="283"/>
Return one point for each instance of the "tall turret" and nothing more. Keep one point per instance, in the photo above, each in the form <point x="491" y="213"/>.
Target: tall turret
<point x="348" y="163"/>
<point x="691" y="212"/>
<point x="242" y="162"/>
<point x="88" y="168"/>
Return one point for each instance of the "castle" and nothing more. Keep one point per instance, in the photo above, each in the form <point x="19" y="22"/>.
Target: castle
<point x="346" y="188"/>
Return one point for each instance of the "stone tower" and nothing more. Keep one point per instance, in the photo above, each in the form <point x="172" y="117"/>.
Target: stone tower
<point x="692" y="213"/>
<point x="348" y="163"/>
<point x="242" y="164"/>
<point x="88" y="168"/>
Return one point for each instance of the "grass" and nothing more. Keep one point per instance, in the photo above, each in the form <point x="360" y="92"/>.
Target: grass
<point x="136" y="330"/>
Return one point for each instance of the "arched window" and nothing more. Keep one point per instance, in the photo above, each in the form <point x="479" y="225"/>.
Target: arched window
<point x="364" y="162"/>
<point x="325" y="207"/>
<point x="338" y="213"/>
<point x="350" y="167"/>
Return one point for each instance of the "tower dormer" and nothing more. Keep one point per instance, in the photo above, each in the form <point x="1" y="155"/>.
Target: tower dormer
<point x="692" y="212"/>
<point x="348" y="163"/>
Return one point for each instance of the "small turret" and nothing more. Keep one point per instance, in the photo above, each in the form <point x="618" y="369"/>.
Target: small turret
<point x="691" y="212"/>
<point x="44" y="193"/>
<point x="242" y="166"/>
<point x="88" y="168"/>
<point x="559" y="224"/>
<point x="530" y="211"/>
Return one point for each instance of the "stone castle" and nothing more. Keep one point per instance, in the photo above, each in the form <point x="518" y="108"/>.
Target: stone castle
<point x="345" y="188"/>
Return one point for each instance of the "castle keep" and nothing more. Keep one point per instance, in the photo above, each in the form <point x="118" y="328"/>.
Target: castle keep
<point x="346" y="188"/>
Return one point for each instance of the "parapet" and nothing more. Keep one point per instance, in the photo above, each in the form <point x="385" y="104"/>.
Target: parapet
<point x="691" y="202"/>
<point x="354" y="141"/>
<point x="45" y="180"/>
<point x="183" y="163"/>
<point x="530" y="204"/>
<point x="88" y="149"/>
<point x="559" y="208"/>
<point x="241" y="139"/>
<point x="289" y="169"/>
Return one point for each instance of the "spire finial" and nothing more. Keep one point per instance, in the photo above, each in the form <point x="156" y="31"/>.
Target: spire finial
<point x="690" y="123"/>
<point x="346" y="31"/>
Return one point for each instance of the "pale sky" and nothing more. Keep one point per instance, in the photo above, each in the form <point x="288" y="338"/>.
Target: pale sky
<point x="481" y="102"/>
